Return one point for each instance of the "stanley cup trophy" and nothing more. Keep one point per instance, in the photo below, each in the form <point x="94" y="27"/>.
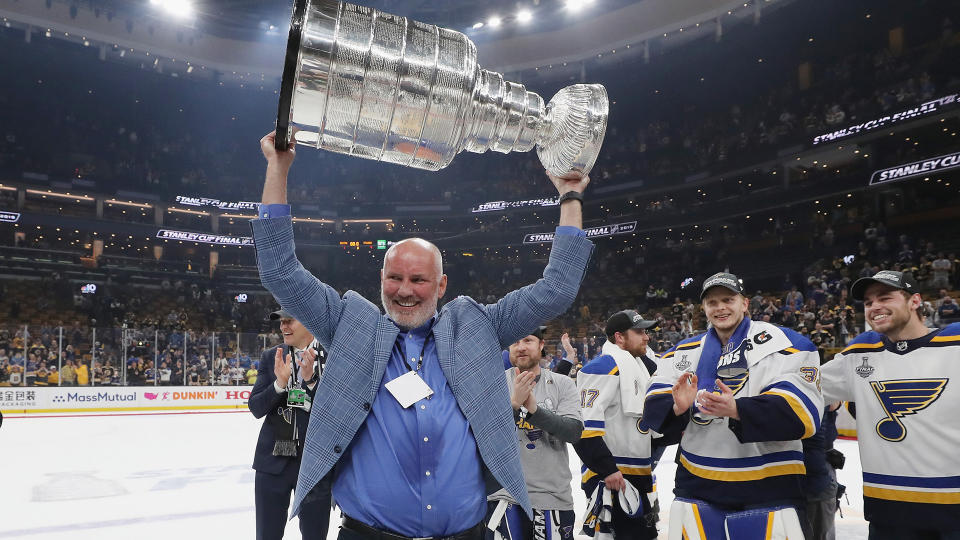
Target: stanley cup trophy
<point x="378" y="86"/>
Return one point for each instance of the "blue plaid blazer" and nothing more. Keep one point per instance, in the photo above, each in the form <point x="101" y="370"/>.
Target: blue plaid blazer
<point x="359" y="339"/>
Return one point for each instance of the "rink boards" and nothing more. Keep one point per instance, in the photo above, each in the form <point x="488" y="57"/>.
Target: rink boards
<point x="80" y="401"/>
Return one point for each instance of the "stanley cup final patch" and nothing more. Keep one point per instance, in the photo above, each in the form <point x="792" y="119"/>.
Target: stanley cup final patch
<point x="864" y="370"/>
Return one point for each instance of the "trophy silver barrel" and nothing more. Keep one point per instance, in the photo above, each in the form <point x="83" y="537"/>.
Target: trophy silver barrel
<point x="366" y="83"/>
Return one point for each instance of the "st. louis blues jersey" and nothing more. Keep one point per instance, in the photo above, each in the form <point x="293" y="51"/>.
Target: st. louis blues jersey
<point x="907" y="395"/>
<point x="612" y="441"/>
<point x="757" y="459"/>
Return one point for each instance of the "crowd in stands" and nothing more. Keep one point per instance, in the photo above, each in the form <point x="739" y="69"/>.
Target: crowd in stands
<point x="814" y="301"/>
<point x="149" y="348"/>
<point x="164" y="135"/>
<point x="102" y="364"/>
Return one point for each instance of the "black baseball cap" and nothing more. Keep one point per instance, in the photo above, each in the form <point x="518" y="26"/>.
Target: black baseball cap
<point x="622" y="321"/>
<point x="722" y="279"/>
<point x="892" y="278"/>
<point x="279" y="314"/>
<point x="539" y="332"/>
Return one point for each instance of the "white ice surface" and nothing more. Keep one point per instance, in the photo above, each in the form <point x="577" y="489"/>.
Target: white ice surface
<point x="188" y="476"/>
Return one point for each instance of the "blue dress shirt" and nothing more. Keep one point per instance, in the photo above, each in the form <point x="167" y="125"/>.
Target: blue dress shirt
<point x="265" y="211"/>
<point x="413" y="471"/>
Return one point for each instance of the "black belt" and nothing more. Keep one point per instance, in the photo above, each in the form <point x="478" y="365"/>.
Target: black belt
<point x="473" y="533"/>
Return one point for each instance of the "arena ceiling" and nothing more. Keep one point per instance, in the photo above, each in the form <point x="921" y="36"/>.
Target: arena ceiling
<point x="248" y="36"/>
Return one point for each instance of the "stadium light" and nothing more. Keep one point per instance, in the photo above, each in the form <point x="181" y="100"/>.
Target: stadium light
<point x="177" y="8"/>
<point x="524" y="16"/>
<point x="577" y="5"/>
<point x="493" y="22"/>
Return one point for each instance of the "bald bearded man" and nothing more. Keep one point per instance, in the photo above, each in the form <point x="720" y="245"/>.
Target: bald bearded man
<point x="412" y="415"/>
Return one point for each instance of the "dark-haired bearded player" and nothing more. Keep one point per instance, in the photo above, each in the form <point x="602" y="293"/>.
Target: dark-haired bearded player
<point x="903" y="378"/>
<point x="546" y="408"/>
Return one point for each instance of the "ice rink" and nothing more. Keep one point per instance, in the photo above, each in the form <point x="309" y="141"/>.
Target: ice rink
<point x="188" y="476"/>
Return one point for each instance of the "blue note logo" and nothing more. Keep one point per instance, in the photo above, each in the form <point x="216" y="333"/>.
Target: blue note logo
<point x="734" y="383"/>
<point x="902" y="398"/>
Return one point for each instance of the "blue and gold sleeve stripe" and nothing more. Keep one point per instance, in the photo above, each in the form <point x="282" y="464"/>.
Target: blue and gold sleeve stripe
<point x="659" y="388"/>
<point x="626" y="465"/>
<point x="799" y="403"/>
<point x="593" y="428"/>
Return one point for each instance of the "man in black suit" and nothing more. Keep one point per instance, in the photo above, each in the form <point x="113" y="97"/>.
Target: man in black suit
<point x="294" y="365"/>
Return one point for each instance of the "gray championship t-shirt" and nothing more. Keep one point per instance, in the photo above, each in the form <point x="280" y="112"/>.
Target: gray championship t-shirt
<point x="546" y="463"/>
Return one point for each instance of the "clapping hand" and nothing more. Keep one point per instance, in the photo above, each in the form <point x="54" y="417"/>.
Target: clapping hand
<point x="522" y="395"/>
<point x="684" y="393"/>
<point x="568" y="348"/>
<point x="719" y="404"/>
<point x="282" y="368"/>
<point x="307" y="362"/>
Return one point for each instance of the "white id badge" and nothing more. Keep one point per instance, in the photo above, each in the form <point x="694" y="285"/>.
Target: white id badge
<point x="408" y="389"/>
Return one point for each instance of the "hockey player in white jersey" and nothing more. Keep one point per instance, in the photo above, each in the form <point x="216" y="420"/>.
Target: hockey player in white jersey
<point x="615" y="447"/>
<point x="903" y="378"/>
<point x="743" y="394"/>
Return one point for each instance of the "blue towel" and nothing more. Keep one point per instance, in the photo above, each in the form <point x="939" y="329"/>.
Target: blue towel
<point x="712" y="352"/>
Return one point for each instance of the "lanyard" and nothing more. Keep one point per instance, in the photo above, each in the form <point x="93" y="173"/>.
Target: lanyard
<point x="292" y="383"/>
<point x="420" y="359"/>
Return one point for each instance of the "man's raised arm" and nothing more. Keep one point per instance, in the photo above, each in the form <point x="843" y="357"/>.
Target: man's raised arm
<point x="278" y="166"/>
<point x="519" y="312"/>
<point x="316" y="305"/>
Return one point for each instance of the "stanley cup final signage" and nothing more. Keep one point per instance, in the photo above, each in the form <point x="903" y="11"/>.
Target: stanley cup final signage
<point x="496" y="206"/>
<point x="204" y="238"/>
<point x="917" y="168"/>
<point x="366" y="83"/>
<point x="216" y="203"/>
<point x="592" y="232"/>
